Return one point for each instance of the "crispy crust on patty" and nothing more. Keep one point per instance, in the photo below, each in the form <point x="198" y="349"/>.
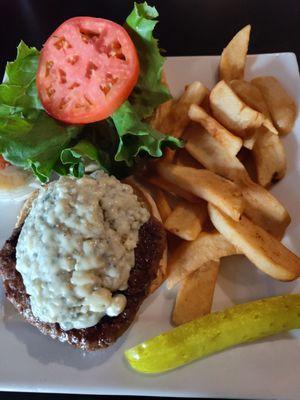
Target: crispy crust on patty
<point x="151" y="244"/>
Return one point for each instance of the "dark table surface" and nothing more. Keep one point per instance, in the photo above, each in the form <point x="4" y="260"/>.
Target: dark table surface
<point x="187" y="27"/>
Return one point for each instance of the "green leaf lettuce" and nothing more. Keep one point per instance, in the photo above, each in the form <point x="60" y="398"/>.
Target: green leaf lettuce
<point x="137" y="136"/>
<point x="149" y="92"/>
<point x="30" y="138"/>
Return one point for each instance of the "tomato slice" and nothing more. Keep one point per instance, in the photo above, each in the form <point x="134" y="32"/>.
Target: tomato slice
<point x="87" y="69"/>
<point x="3" y="163"/>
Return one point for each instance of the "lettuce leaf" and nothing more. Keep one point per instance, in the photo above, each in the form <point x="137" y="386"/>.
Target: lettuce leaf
<point x="30" y="138"/>
<point x="18" y="87"/>
<point x="149" y="91"/>
<point x="137" y="136"/>
<point x="38" y="145"/>
<point x="104" y="136"/>
<point x="81" y="154"/>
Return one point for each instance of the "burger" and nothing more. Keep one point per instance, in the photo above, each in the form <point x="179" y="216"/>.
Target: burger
<point x="82" y="259"/>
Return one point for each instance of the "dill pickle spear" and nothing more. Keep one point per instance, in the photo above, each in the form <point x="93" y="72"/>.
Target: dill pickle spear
<point x="215" y="332"/>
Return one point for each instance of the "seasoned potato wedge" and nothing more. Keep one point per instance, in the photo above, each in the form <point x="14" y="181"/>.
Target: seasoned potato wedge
<point x="195" y="295"/>
<point x="266" y="252"/>
<point x="281" y="106"/>
<point x="191" y="256"/>
<point x="233" y="58"/>
<point x="206" y="185"/>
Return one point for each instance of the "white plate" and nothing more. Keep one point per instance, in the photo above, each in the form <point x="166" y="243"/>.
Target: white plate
<point x="267" y="369"/>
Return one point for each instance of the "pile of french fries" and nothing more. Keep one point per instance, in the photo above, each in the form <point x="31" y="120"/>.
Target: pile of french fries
<point x="206" y="195"/>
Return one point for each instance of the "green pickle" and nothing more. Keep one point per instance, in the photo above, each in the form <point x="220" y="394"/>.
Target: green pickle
<point x="215" y="332"/>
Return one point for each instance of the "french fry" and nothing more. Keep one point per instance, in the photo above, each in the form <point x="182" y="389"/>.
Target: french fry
<point x="250" y="142"/>
<point x="162" y="122"/>
<point x="171" y="188"/>
<point x="233" y="58"/>
<point x="280" y="104"/>
<point x="215" y="168"/>
<point x="266" y="252"/>
<point x="231" y="143"/>
<point x="184" y="158"/>
<point x="205" y="104"/>
<point x="191" y="256"/>
<point x="174" y="117"/>
<point x="195" y="296"/>
<point x="187" y="219"/>
<point x="263" y="208"/>
<point x="270" y="158"/>
<point x="162" y="204"/>
<point x="245" y="156"/>
<point x="161" y="113"/>
<point x="234" y="114"/>
<point x="210" y="153"/>
<point x="206" y="185"/>
<point x="251" y="95"/>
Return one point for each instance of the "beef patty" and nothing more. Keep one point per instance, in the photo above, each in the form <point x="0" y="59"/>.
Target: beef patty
<point x="151" y="244"/>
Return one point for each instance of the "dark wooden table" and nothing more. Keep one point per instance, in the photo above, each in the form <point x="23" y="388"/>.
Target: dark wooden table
<point x="187" y="27"/>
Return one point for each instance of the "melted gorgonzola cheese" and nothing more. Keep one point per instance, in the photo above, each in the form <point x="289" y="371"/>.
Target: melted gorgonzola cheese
<point x="76" y="249"/>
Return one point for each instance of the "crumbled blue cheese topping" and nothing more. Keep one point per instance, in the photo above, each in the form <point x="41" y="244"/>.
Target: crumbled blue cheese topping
<point x="76" y="248"/>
